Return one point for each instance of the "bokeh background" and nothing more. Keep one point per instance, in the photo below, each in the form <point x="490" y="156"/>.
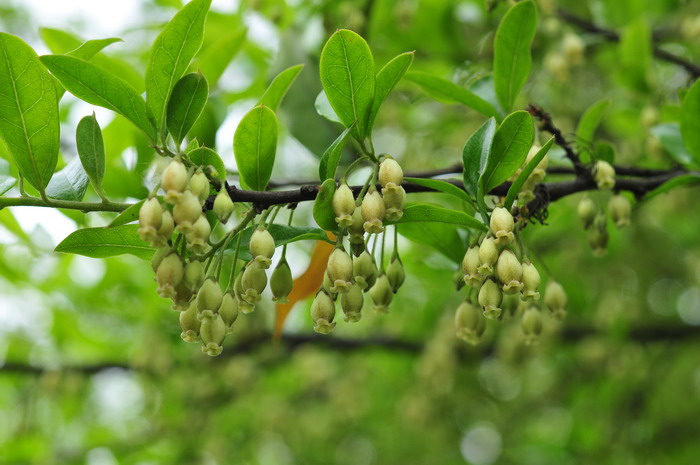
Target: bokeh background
<point x="92" y="368"/>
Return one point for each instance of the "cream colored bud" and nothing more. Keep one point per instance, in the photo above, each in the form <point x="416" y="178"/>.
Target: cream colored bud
<point x="343" y="206"/>
<point x="339" y="271"/>
<point x="165" y="232"/>
<point x="604" y="175"/>
<point x="209" y="298"/>
<point x="469" y="322"/>
<point x="555" y="299"/>
<point x="620" y="210"/>
<point x="488" y="255"/>
<point x="243" y="305"/>
<point x="490" y="298"/>
<point x="531" y="325"/>
<point x="586" y="211"/>
<point x="470" y="266"/>
<point x="323" y="313"/>
<point x="531" y="281"/>
<point x="212" y="332"/>
<point x="158" y="257"/>
<point x="502" y="226"/>
<point x="373" y="212"/>
<point x="198" y="237"/>
<point x="229" y="310"/>
<point x="262" y="247"/>
<point x="186" y="212"/>
<point x="364" y="270"/>
<point x="150" y="219"/>
<point x="509" y="272"/>
<point x="223" y="206"/>
<point x="194" y="275"/>
<point x="351" y="303"/>
<point x="190" y="324"/>
<point x="381" y="294"/>
<point x="169" y="274"/>
<point x="390" y="173"/>
<point x="199" y="185"/>
<point x="356" y="229"/>
<point x="254" y="281"/>
<point x="394" y="201"/>
<point x="540" y="171"/>
<point x="174" y="181"/>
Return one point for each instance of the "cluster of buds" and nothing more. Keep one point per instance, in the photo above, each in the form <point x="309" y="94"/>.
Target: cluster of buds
<point x="595" y="221"/>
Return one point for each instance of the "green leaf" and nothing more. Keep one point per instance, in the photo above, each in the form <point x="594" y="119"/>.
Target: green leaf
<point x="511" y="55"/>
<point x="590" y="121"/>
<point x="669" y="135"/>
<point x="440" y="186"/>
<point x="283" y="234"/>
<point x="29" y="120"/>
<point x="214" y="60"/>
<point x="525" y="173"/>
<point x="187" y="100"/>
<point x="69" y="184"/>
<point x="511" y="143"/>
<point x="329" y="161"/>
<point x="679" y="181"/>
<point x="387" y="78"/>
<point x="91" y="149"/>
<point x="690" y="120"/>
<point x="605" y="151"/>
<point x="254" y="146"/>
<point x="446" y="91"/>
<point x="106" y="242"/>
<point x="91" y="48"/>
<point x="278" y="88"/>
<point x="323" y="206"/>
<point x="636" y="54"/>
<point x="98" y="87"/>
<point x="129" y="215"/>
<point x="347" y="76"/>
<point x="323" y="108"/>
<point x="475" y="154"/>
<point x="204" y="156"/>
<point x="171" y="54"/>
<point x="442" y="237"/>
<point x="426" y="213"/>
<point x="7" y="182"/>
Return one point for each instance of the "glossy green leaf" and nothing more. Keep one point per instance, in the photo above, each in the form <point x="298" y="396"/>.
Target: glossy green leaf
<point x="106" y="242"/>
<point x="254" y="146"/>
<point x="214" y="60"/>
<point x="347" y="76"/>
<point x="330" y="158"/>
<point x="171" y="54"/>
<point x="91" y="149"/>
<point x="440" y="186"/>
<point x="669" y="134"/>
<point x="29" y="121"/>
<point x="69" y="184"/>
<point x="690" y="120"/>
<point x="475" y="154"/>
<point x="323" y="206"/>
<point x="278" y="88"/>
<point x="512" y="61"/>
<point x="590" y="120"/>
<point x="426" y="213"/>
<point x="442" y="237"/>
<point x="129" y="215"/>
<point x="387" y="78"/>
<point x="446" y="91"/>
<point x="511" y="144"/>
<point x="323" y="108"/>
<point x="514" y="189"/>
<point x="187" y="100"/>
<point x="204" y="156"/>
<point x="98" y="87"/>
<point x="684" y="180"/>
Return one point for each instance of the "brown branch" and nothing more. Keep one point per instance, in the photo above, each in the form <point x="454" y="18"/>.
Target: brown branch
<point x="546" y="124"/>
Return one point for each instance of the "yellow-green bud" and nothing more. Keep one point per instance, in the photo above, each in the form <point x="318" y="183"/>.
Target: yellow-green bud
<point x="190" y="324"/>
<point x="343" y="206"/>
<point x="510" y="272"/>
<point x="223" y="205"/>
<point x="254" y="281"/>
<point x="555" y="299"/>
<point x="158" y="256"/>
<point x="531" y="325"/>
<point x="488" y="255"/>
<point x="352" y="302"/>
<point x="540" y="170"/>
<point x="490" y="298"/>
<point x="573" y="47"/>
<point x="199" y="185"/>
<point x="182" y="298"/>
<point x="470" y="266"/>
<point x="364" y="270"/>
<point x="262" y="247"/>
<point x="390" y="173"/>
<point x="356" y="229"/>
<point x="150" y="219"/>
<point x="167" y="226"/>
<point x="229" y="310"/>
<point x="281" y="282"/>
<point x="194" y="275"/>
<point x="169" y="274"/>
<point x="327" y="285"/>
<point x="174" y="181"/>
<point x="395" y="273"/>
<point x="186" y="211"/>
<point x="394" y="200"/>
<point x="531" y="281"/>
<point x="381" y="294"/>
<point x="604" y="175"/>
<point x="213" y="333"/>
<point x="339" y="271"/>
<point x="502" y="226"/>
<point x="620" y="210"/>
<point x="198" y="236"/>
<point x="469" y="322"/>
<point x="373" y="212"/>
<point x="209" y="298"/>
<point x="323" y="312"/>
<point x="598" y="236"/>
<point x="586" y="211"/>
<point x="243" y="305"/>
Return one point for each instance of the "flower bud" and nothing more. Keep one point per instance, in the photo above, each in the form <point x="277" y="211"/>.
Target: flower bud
<point x="555" y="299"/>
<point x="262" y="247"/>
<point x="540" y="170"/>
<point x="531" y="325"/>
<point x="183" y="296"/>
<point x="352" y="302"/>
<point x="243" y="305"/>
<point x="509" y="272"/>
<point x="531" y="281"/>
<point x="209" y="298"/>
<point x="620" y="210"/>
<point x="198" y="237"/>
<point x="223" y="205"/>
<point x="356" y="229"/>
<point x="339" y="271"/>
<point x="604" y="175"/>
<point x="199" y="185"/>
<point x="323" y="312"/>
<point x="364" y="270"/>
<point x="254" y="281"/>
<point x="213" y="333"/>
<point x="186" y="212"/>
<point x="598" y="236"/>
<point x="490" y="298"/>
<point x="395" y="273"/>
<point x="470" y="266"/>
<point x="229" y="310"/>
<point x="390" y="173"/>
<point x="281" y="282"/>
<point x="169" y="274"/>
<point x="382" y="294"/>
<point x="469" y="322"/>
<point x="327" y="285"/>
<point x="488" y="255"/>
<point x="190" y="324"/>
<point x="502" y="226"/>
<point x="165" y="232"/>
<point x="573" y="48"/>
<point x="194" y="275"/>
<point x="158" y="256"/>
<point x="174" y="181"/>
<point x="586" y="211"/>
<point x="373" y="212"/>
<point x="343" y="206"/>
<point x="150" y="219"/>
<point x="394" y="200"/>
<point x="357" y="247"/>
